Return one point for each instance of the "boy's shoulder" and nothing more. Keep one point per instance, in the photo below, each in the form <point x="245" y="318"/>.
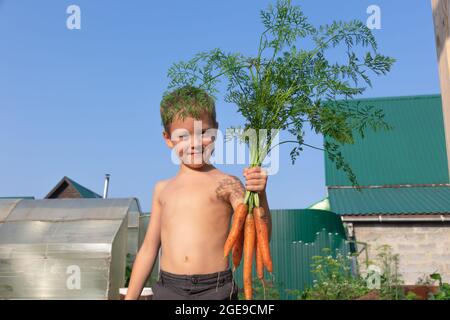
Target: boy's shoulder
<point x="161" y="184"/>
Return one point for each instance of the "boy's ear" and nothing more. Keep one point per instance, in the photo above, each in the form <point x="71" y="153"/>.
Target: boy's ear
<point x="166" y="137"/>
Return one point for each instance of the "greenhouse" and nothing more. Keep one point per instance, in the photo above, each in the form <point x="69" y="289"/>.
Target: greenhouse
<point x="66" y="248"/>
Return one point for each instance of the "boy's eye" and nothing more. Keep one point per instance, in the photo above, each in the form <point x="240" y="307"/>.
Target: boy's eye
<point x="208" y="136"/>
<point x="179" y="138"/>
<point x="183" y="137"/>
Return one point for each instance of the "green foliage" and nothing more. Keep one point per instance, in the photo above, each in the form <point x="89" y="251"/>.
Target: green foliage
<point x="391" y="279"/>
<point x="444" y="289"/>
<point x="287" y="85"/>
<point x="333" y="279"/>
<point x="128" y="269"/>
<point x="411" y="296"/>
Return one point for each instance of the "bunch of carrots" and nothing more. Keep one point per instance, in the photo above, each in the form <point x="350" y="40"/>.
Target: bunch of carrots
<point x="249" y="234"/>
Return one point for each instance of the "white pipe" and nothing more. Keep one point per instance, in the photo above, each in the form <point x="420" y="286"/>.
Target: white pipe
<point x="105" y="190"/>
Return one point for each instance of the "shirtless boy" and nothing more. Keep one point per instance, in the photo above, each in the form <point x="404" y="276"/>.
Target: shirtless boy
<point x="191" y="212"/>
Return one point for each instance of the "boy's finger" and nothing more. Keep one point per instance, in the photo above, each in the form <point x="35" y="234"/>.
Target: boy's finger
<point x="253" y="188"/>
<point x="257" y="175"/>
<point x="253" y="170"/>
<point x="261" y="174"/>
<point x="255" y="182"/>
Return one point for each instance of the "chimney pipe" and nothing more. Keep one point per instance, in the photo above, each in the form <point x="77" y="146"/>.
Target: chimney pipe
<point x="105" y="190"/>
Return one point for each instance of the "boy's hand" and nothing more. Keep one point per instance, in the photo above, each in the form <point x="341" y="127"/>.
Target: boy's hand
<point x="255" y="179"/>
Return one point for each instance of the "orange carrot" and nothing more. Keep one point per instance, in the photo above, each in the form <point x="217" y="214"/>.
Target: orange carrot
<point x="262" y="234"/>
<point x="237" y="250"/>
<point x="238" y="223"/>
<point x="259" y="262"/>
<point x="249" y="250"/>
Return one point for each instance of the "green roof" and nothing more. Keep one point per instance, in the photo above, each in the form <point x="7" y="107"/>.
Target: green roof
<point x="405" y="200"/>
<point x="413" y="152"/>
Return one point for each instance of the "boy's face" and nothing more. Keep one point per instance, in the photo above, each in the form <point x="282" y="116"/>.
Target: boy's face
<point x="192" y="139"/>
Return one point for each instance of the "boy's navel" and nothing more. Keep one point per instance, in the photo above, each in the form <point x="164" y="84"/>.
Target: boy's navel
<point x="186" y="259"/>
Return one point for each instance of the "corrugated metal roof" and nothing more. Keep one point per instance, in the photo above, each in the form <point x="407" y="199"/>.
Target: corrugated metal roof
<point x="405" y="200"/>
<point x="413" y="152"/>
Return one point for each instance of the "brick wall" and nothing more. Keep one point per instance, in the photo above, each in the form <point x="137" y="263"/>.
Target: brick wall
<point x="423" y="248"/>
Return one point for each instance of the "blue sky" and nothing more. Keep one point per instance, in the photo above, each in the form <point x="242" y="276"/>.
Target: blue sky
<point x="83" y="103"/>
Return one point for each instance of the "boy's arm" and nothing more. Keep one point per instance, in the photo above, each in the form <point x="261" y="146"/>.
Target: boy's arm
<point x="236" y="192"/>
<point x="145" y="258"/>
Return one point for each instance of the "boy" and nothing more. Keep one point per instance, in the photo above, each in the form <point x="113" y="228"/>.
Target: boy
<point x="191" y="212"/>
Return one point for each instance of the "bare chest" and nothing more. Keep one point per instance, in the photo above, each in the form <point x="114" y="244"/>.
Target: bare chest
<point x="194" y="199"/>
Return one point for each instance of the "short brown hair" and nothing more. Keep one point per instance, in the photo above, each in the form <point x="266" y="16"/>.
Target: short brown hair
<point x="186" y="101"/>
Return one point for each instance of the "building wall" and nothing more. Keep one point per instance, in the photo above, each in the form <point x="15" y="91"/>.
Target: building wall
<point x="423" y="248"/>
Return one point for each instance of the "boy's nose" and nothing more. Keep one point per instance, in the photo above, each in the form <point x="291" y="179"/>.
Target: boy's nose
<point x="196" y="146"/>
<point x="196" y="140"/>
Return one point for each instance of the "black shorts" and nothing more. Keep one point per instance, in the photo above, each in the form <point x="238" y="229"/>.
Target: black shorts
<point x="211" y="286"/>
